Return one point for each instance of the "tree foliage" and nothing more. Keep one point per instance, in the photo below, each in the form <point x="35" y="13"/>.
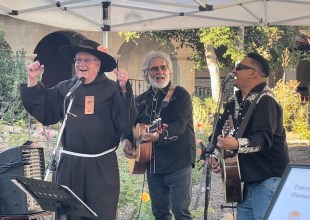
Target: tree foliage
<point x="12" y="73"/>
<point x="222" y="47"/>
<point x="275" y="43"/>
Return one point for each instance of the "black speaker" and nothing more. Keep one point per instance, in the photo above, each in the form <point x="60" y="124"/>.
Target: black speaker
<point x="26" y="161"/>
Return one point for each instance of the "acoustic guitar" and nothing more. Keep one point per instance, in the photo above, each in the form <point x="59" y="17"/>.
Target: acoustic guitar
<point x="230" y="166"/>
<point x="142" y="149"/>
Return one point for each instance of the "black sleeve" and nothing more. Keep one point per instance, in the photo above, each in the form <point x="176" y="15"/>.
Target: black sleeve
<point x="43" y="104"/>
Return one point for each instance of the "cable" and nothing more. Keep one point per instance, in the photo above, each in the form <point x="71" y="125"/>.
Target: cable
<point x="15" y="164"/>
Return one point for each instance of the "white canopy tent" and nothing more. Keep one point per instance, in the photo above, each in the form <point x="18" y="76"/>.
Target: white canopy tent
<point x="146" y="15"/>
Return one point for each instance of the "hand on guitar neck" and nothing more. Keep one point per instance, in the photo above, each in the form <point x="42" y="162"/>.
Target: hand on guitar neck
<point x="149" y="137"/>
<point x="151" y="132"/>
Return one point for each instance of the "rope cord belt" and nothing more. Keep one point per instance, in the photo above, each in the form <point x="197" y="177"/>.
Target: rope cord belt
<point x="88" y="155"/>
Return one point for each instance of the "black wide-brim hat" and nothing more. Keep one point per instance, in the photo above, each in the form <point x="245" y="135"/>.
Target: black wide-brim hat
<point x="108" y="63"/>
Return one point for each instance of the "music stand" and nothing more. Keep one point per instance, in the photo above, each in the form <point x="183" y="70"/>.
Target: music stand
<point x="54" y="197"/>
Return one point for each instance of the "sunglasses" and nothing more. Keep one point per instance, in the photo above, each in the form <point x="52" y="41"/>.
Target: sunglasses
<point x="155" y="69"/>
<point x="241" y="66"/>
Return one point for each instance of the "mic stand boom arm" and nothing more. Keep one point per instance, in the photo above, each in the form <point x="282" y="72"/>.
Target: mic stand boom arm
<point x="53" y="162"/>
<point x="206" y="172"/>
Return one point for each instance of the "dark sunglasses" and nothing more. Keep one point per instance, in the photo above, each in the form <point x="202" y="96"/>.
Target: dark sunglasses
<point x="155" y="69"/>
<point x="241" y="66"/>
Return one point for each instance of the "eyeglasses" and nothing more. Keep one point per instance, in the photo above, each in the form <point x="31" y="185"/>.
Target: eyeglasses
<point x="241" y="66"/>
<point x="86" y="61"/>
<point x="155" y="69"/>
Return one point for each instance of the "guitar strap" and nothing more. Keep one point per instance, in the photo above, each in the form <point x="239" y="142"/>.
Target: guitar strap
<point x="167" y="98"/>
<point x="246" y="118"/>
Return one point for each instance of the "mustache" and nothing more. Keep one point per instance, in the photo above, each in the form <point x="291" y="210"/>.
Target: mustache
<point x="160" y="77"/>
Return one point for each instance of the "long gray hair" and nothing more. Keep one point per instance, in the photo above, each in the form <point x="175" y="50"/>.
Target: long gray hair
<point x="152" y="55"/>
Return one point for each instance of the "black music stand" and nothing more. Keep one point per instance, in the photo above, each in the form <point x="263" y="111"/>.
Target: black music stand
<point x="54" y="197"/>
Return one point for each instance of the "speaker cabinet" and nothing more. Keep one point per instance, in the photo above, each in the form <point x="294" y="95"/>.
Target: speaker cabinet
<point x="26" y="161"/>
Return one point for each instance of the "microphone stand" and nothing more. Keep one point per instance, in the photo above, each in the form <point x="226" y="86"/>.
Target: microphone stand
<point x="206" y="172"/>
<point x="53" y="162"/>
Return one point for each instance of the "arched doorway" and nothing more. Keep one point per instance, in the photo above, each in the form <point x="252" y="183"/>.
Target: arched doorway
<point x="56" y="69"/>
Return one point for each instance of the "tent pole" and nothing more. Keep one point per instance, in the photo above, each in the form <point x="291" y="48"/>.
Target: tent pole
<point x="105" y="39"/>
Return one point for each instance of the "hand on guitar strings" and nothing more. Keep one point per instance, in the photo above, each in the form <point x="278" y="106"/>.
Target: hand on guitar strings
<point x="214" y="164"/>
<point x="128" y="149"/>
<point x="227" y="143"/>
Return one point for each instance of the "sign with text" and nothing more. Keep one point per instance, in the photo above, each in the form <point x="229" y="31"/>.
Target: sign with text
<point x="292" y="198"/>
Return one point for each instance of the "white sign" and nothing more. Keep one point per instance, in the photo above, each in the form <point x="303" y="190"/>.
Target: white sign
<point x="292" y="198"/>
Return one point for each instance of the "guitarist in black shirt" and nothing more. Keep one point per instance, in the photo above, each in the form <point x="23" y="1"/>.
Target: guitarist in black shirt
<point x="169" y="173"/>
<point x="261" y="149"/>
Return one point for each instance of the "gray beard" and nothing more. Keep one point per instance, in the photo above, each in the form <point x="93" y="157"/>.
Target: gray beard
<point x="156" y="85"/>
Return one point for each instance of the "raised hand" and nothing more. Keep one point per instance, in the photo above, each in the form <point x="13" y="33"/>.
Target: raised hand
<point x="122" y="78"/>
<point x="34" y="70"/>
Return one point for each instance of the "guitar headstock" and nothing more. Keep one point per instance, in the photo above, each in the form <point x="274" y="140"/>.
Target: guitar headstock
<point x="228" y="128"/>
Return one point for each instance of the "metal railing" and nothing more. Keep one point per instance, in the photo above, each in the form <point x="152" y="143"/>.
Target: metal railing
<point x="205" y="92"/>
<point x="138" y="86"/>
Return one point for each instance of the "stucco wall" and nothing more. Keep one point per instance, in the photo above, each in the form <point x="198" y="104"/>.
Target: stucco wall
<point x="26" y="35"/>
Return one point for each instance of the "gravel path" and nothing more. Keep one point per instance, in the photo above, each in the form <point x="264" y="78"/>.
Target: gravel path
<point x="298" y="154"/>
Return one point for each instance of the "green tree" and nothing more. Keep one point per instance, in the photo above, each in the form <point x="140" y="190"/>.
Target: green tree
<point x="12" y="73"/>
<point x="221" y="47"/>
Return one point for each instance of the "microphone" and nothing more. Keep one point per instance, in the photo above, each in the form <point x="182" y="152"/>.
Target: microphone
<point x="228" y="77"/>
<point x="76" y="85"/>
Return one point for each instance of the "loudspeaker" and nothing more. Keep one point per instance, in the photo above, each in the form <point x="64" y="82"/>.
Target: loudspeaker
<point x="24" y="161"/>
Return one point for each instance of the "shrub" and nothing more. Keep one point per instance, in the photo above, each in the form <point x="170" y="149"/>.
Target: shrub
<point x="203" y="114"/>
<point x="295" y="111"/>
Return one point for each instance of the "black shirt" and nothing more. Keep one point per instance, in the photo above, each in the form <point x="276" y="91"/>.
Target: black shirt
<point x="175" y="148"/>
<point x="264" y="132"/>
